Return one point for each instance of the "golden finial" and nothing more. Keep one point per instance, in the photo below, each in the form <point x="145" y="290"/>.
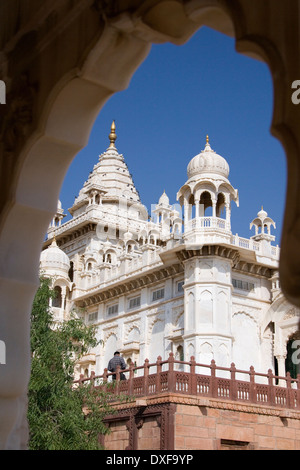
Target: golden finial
<point x="112" y="136"/>
<point x="207" y="139"/>
<point x="53" y="243"/>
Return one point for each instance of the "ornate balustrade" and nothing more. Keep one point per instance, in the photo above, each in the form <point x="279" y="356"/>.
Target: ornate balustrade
<point x="91" y="281"/>
<point x="220" y="382"/>
<point x="205" y="223"/>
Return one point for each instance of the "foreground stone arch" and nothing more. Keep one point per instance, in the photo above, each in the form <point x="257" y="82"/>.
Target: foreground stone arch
<point x="60" y="63"/>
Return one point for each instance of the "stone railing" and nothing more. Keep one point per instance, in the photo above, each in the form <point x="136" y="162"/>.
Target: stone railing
<point x="205" y="223"/>
<point x="90" y="281"/>
<point x="205" y="226"/>
<point x="245" y="243"/>
<point x="220" y="382"/>
<point x="90" y="216"/>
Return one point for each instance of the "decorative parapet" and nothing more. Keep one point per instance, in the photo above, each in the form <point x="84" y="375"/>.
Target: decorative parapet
<point x="182" y="378"/>
<point x="204" y="223"/>
<point x="123" y="284"/>
<point x="127" y="267"/>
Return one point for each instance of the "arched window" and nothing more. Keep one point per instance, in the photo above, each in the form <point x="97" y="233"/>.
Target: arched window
<point x="56" y="302"/>
<point x="89" y="266"/>
<point x="205" y="204"/>
<point x="192" y="212"/>
<point x="220" y="205"/>
<point x="71" y="271"/>
<point x="179" y="356"/>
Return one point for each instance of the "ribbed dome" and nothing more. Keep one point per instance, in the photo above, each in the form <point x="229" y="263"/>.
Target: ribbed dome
<point x="54" y="258"/>
<point x="208" y="161"/>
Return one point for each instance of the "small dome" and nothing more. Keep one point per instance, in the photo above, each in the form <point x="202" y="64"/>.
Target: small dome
<point x="128" y="236"/>
<point x="262" y="214"/>
<point x="53" y="258"/>
<point x="164" y="200"/>
<point x="208" y="161"/>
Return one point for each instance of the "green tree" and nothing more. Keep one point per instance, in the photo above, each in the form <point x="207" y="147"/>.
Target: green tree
<point x="56" y="410"/>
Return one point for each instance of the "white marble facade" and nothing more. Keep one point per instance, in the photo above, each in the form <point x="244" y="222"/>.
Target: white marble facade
<point x="176" y="280"/>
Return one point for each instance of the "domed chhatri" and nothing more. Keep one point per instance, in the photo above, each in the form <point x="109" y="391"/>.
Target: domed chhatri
<point x="208" y="161"/>
<point x="262" y="224"/>
<point x="207" y="193"/>
<point x="54" y="259"/>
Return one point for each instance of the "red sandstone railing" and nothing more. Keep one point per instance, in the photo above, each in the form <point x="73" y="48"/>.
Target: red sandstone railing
<point x="181" y="377"/>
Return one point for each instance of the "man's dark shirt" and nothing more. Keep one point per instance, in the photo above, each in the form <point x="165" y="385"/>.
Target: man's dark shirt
<point x="116" y="361"/>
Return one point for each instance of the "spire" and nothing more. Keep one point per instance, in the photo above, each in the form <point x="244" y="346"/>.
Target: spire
<point x="112" y="136"/>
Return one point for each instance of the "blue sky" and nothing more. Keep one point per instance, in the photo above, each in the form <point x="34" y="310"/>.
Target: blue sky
<point x="178" y="96"/>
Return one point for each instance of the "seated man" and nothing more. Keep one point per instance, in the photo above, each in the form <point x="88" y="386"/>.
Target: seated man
<point x="117" y="360"/>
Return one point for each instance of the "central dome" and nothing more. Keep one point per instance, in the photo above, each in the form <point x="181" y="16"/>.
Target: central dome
<point x="208" y="161"/>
